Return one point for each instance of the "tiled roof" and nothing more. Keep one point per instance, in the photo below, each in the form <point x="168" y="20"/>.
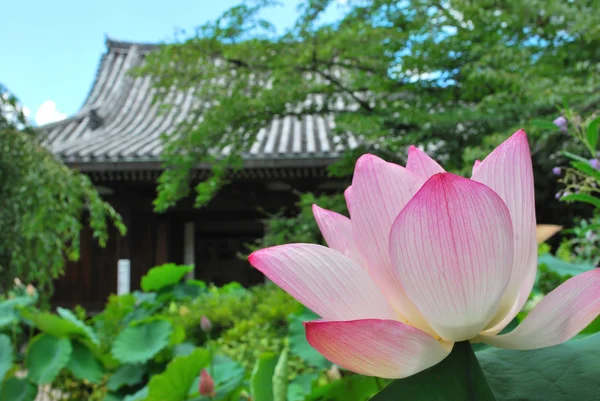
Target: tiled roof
<point x="119" y="123"/>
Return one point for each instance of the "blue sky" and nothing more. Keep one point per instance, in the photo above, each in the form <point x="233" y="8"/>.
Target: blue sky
<point x="50" y="49"/>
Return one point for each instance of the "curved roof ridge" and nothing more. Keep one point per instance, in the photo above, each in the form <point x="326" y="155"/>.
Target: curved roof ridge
<point x="120" y="122"/>
<point x="122" y="45"/>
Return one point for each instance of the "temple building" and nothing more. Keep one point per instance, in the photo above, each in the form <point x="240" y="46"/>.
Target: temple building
<point x="115" y="139"/>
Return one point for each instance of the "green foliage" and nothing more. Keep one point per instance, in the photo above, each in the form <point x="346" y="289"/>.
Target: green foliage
<point x="113" y="319"/>
<point x="83" y="365"/>
<point x="126" y="375"/>
<point x="301" y="387"/>
<point x="355" y="387"/>
<point x="46" y="357"/>
<point x="138" y="395"/>
<point x="563" y="269"/>
<point x="87" y="331"/>
<point x="41" y="205"/>
<point x="59" y="326"/>
<point x="582" y="178"/>
<point x="246" y="322"/>
<point x="261" y="381"/>
<point x="160" y="277"/>
<point x="301" y="226"/>
<point x="76" y="389"/>
<point x="6" y="355"/>
<point x="15" y="389"/>
<point x="407" y="72"/>
<point x="564" y="372"/>
<point x="298" y="343"/>
<point x="583" y="244"/>
<point x="280" y="377"/>
<point x="141" y="342"/>
<point x="175" y="383"/>
<point x="457" y="377"/>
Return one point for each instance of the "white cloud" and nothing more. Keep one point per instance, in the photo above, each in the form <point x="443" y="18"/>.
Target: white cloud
<point x="26" y="111"/>
<point x="47" y="113"/>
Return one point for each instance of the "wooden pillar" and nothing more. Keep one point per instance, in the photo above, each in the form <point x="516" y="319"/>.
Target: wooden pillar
<point x="122" y="263"/>
<point x="162" y="244"/>
<point x="189" y="247"/>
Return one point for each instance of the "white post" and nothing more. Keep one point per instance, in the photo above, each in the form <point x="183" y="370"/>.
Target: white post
<point x="189" y="240"/>
<point x="123" y="276"/>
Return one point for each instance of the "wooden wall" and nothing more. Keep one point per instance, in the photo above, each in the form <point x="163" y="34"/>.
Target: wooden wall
<point x="233" y="218"/>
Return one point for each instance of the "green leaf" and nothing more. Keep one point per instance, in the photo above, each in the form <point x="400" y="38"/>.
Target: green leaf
<point x="584" y="198"/>
<point x="299" y="346"/>
<point x="280" y="377"/>
<point x="141" y="342"/>
<point x="8" y="315"/>
<point x="355" y="388"/>
<point x="126" y="375"/>
<point x="6" y="355"/>
<point x="301" y="386"/>
<point x="8" y="310"/>
<point x="564" y="372"/>
<point x="175" y="382"/>
<point x="543" y="124"/>
<point x="457" y="377"/>
<point x="46" y="356"/>
<point x="113" y="397"/>
<point x="178" y="335"/>
<point x="84" y="365"/>
<point x="69" y="316"/>
<point x="562" y="268"/>
<point x="573" y="156"/>
<point x="197" y="283"/>
<point x="585" y="167"/>
<point x="15" y="389"/>
<point x="187" y="291"/>
<point x="144" y="297"/>
<point x="592" y="328"/>
<point x="261" y="381"/>
<point x="592" y="132"/>
<point x="140" y="395"/>
<point x="59" y="326"/>
<point x="183" y="349"/>
<point x="164" y="276"/>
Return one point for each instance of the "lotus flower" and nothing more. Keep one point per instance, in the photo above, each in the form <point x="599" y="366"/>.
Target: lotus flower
<point x="428" y="259"/>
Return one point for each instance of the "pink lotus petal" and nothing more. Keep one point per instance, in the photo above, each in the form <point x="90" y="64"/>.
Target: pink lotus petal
<point x="421" y="164"/>
<point x="348" y="197"/>
<point x="475" y="166"/>
<point x="337" y="231"/>
<point x="379" y="192"/>
<point x="452" y="248"/>
<point x="372" y="347"/>
<point x="560" y="316"/>
<point x="508" y="171"/>
<point x="326" y="281"/>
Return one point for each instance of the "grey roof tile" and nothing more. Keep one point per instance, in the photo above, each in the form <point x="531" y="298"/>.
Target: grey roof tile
<point x="132" y="124"/>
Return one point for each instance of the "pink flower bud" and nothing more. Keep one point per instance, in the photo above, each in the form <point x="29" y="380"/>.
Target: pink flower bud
<point x="30" y="290"/>
<point x="205" y="324"/>
<point x="207" y="384"/>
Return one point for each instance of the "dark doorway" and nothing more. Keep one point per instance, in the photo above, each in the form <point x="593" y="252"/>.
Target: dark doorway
<point x="218" y="246"/>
